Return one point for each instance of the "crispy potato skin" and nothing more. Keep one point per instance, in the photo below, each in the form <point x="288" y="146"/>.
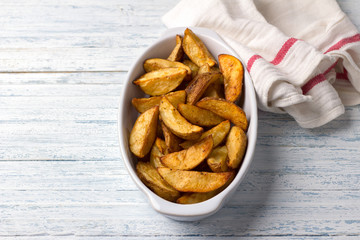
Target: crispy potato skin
<point x="233" y="73"/>
<point x="236" y="145"/>
<point x="171" y="140"/>
<point x="178" y="52"/>
<point x="143" y="133"/>
<point x="190" y="158"/>
<point x="177" y="123"/>
<point x="217" y="159"/>
<point x="199" y="116"/>
<point x="161" y="81"/>
<point x="225" y="109"/>
<point x="193" y="181"/>
<point x="198" y="86"/>
<point x="196" y="50"/>
<point x="151" y="178"/>
<point x="218" y="133"/>
<point x="157" y="151"/>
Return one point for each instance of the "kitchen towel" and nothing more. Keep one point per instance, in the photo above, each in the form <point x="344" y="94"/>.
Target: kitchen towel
<point x="303" y="56"/>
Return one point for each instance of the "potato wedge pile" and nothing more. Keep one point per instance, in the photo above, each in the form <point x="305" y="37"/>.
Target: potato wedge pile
<point x="190" y="137"/>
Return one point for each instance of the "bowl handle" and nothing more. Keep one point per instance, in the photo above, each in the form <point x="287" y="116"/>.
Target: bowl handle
<point x="199" y="31"/>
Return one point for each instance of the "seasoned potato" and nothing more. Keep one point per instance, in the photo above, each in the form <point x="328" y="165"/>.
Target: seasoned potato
<point x="196" y="197"/>
<point x="161" y="81"/>
<point x="198" y="86"/>
<point x="217" y="159"/>
<point x="225" y="109"/>
<point x="189" y="158"/>
<point x="161" y="145"/>
<point x="171" y="140"/>
<point x="143" y="133"/>
<point x="189" y="166"/>
<point x="196" y="50"/>
<point x="151" y="178"/>
<point x="193" y="181"/>
<point x="154" y="64"/>
<point x="157" y="151"/>
<point x="194" y="68"/>
<point x="177" y="123"/>
<point x="191" y="198"/>
<point x="178" y="52"/>
<point x="204" y="69"/>
<point x="233" y="73"/>
<point x="199" y="116"/>
<point x="175" y="98"/>
<point x="143" y="104"/>
<point x="218" y="133"/>
<point x="236" y="145"/>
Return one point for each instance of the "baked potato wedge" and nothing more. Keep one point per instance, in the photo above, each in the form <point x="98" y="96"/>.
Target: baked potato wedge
<point x="151" y="178"/>
<point x="189" y="158"/>
<point x="175" y="98"/>
<point x="218" y="133"/>
<point x="171" y="140"/>
<point x="157" y="151"/>
<point x="233" y="72"/>
<point x="191" y="198"/>
<point x="216" y="89"/>
<point x="161" y="81"/>
<point x="196" y="197"/>
<point x="225" y="109"/>
<point x="198" y="86"/>
<point x="194" y="68"/>
<point x="177" y="123"/>
<point x="217" y="159"/>
<point x="143" y="104"/>
<point x="193" y="181"/>
<point x="236" y="145"/>
<point x="204" y="69"/>
<point x="154" y="64"/>
<point x="199" y="116"/>
<point x="196" y="50"/>
<point x="177" y="53"/>
<point x="143" y="133"/>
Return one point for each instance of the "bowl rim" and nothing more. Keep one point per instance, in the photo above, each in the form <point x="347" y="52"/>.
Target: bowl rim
<point x="208" y="207"/>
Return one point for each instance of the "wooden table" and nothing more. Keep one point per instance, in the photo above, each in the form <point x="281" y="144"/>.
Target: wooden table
<point x="62" y="67"/>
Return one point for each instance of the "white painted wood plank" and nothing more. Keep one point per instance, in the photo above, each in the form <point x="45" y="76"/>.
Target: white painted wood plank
<point x="88" y="221"/>
<point x="288" y="237"/>
<point x="63" y="78"/>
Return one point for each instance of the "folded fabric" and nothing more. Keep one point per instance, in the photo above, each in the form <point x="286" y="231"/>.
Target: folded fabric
<point x="302" y="63"/>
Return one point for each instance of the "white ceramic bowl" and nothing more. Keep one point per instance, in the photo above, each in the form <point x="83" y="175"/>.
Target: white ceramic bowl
<point x="128" y="115"/>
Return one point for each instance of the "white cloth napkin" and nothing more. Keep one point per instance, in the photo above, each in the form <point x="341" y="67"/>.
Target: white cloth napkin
<point x="303" y="56"/>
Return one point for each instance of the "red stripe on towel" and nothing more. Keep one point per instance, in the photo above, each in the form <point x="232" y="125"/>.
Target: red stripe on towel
<point x="343" y="42"/>
<point x="279" y="56"/>
<point x="312" y="82"/>
<point x="317" y="79"/>
<point x="283" y="51"/>
<point x="251" y="62"/>
<point x="342" y="76"/>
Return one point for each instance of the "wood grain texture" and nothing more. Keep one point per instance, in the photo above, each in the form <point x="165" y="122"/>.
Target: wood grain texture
<point x="62" y="67"/>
